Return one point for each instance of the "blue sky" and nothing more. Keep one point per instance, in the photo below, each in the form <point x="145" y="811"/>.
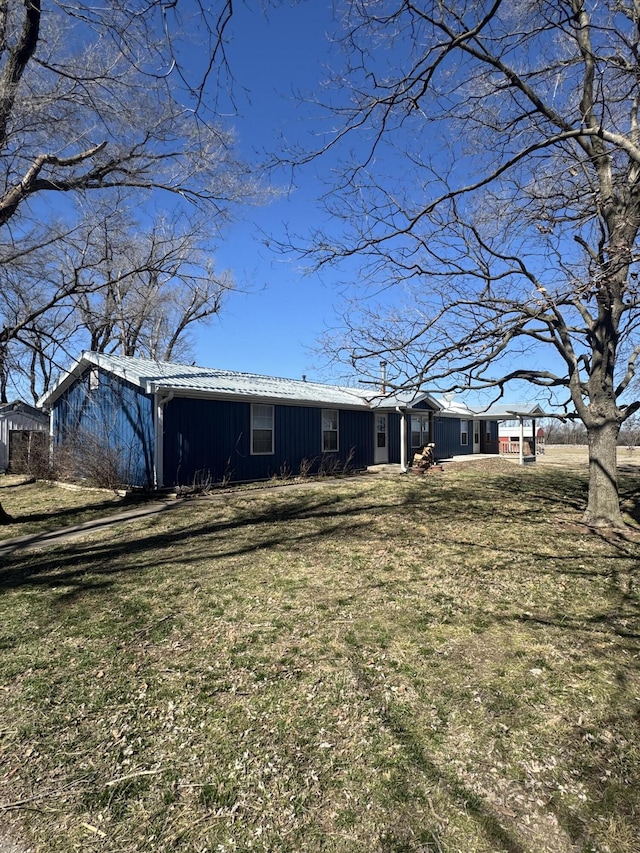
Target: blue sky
<point x="273" y="323"/>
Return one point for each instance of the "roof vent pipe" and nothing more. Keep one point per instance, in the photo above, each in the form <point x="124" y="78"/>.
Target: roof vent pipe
<point x="383" y="377"/>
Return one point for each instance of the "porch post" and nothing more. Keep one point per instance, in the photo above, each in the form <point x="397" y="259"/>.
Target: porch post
<point x="521" y="442"/>
<point x="403" y="441"/>
<point x="158" y="470"/>
<point x="534" y="439"/>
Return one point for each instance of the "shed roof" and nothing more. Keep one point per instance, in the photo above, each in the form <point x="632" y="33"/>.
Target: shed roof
<point x="8" y="409"/>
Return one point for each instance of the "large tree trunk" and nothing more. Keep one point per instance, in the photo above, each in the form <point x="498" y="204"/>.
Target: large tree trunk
<point x="603" y="507"/>
<point x="5" y="518"/>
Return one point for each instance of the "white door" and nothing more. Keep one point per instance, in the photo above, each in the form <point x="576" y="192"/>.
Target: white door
<point x="381" y="444"/>
<point x="476" y="436"/>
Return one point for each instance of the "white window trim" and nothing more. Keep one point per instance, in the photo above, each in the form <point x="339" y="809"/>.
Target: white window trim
<point x="464" y="433"/>
<point x="273" y="424"/>
<point x="423" y="432"/>
<point x="336" y="449"/>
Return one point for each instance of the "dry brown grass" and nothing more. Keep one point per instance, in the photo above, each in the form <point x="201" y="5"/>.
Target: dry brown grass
<point x="41" y="506"/>
<point x="447" y="664"/>
<point x="573" y="454"/>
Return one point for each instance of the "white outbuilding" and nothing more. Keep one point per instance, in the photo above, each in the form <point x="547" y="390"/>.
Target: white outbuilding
<point x="24" y="432"/>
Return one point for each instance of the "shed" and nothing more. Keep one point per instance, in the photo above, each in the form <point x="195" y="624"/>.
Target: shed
<point x="23" y="435"/>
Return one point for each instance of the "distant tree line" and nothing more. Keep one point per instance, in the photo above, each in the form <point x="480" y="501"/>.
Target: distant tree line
<point x="574" y="432"/>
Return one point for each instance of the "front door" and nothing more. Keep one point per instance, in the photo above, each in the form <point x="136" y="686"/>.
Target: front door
<point x="381" y="444"/>
<point x="476" y="436"/>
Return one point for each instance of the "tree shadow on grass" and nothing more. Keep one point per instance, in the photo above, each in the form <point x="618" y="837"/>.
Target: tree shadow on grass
<point x="602" y="754"/>
<point x="89" y="565"/>
<point x="599" y="759"/>
<point x="58" y="516"/>
<point x="26" y="481"/>
<point x="513" y="492"/>
<point x="490" y="825"/>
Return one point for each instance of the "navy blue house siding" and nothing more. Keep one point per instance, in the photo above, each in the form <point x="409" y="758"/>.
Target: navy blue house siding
<point x="393" y="436"/>
<point x="447" y="438"/>
<point x="212" y="438"/>
<point x="101" y="412"/>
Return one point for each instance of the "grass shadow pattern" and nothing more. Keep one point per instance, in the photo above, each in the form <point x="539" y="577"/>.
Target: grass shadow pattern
<point x="442" y="665"/>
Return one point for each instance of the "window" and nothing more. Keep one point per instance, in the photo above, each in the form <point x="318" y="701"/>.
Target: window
<point x="329" y="430"/>
<point x="94" y="378"/>
<point x="464" y="432"/>
<point x="261" y="429"/>
<point x="419" y="431"/>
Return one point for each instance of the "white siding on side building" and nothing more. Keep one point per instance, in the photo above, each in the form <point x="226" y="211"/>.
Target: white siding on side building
<point x="14" y="417"/>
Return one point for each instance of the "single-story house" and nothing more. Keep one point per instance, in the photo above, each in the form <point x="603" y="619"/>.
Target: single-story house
<point x="23" y="434"/>
<point x="177" y="424"/>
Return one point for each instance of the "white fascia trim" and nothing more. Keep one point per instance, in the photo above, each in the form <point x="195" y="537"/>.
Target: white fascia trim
<point x="70" y="376"/>
<point x="152" y="388"/>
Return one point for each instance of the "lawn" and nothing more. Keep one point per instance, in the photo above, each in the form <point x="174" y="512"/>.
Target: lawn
<point x="406" y="665"/>
<point x="39" y="507"/>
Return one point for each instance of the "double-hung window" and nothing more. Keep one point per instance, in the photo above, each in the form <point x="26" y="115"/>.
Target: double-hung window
<point x="464" y="432"/>
<point x="419" y="431"/>
<point x="329" y="430"/>
<point x="261" y="429"/>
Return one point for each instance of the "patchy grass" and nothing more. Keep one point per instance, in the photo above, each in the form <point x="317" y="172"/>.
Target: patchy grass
<point x="447" y="663"/>
<point x="37" y="507"/>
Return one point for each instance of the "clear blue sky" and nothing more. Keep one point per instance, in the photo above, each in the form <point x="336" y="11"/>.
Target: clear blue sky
<point x="274" y="326"/>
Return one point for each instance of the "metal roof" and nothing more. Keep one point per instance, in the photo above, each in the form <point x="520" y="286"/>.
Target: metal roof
<point x="151" y="376"/>
<point x="191" y="380"/>
<point x="509" y="411"/>
<point x="403" y="399"/>
<point x="7" y="409"/>
<point x="503" y="411"/>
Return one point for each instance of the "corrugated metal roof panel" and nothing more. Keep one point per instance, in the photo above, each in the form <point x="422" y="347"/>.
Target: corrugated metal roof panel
<point x="150" y="374"/>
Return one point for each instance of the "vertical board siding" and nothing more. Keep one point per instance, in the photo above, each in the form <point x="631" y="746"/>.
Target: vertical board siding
<point x="17" y="420"/>
<point x="115" y="418"/>
<point x="393" y="436"/>
<point x="447" y="438"/>
<point x="211" y="440"/>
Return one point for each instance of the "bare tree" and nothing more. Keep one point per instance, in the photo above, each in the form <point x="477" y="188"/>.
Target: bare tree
<point x="492" y="198"/>
<point x="112" y="284"/>
<point x="157" y="284"/>
<point x="94" y="98"/>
